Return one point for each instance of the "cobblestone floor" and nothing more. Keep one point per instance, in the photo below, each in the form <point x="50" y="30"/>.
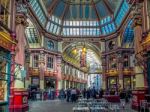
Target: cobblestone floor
<point x="58" y="106"/>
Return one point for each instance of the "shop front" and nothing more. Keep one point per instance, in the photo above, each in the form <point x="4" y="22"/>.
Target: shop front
<point x="4" y="77"/>
<point x="127" y="82"/>
<point x="112" y="84"/>
<point x="50" y="82"/>
<point x="6" y="43"/>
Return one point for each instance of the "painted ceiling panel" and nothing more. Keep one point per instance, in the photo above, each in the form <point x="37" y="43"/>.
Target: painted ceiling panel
<point x="87" y="11"/>
<point x="102" y="9"/>
<point x="81" y="11"/>
<point x="47" y="2"/>
<point x="74" y="11"/>
<point x="115" y="4"/>
<point x="59" y="9"/>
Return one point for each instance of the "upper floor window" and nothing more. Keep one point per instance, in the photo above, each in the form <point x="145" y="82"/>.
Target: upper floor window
<point x="4" y="12"/>
<point x="50" y="45"/>
<point x="125" y="61"/>
<point x="35" y="61"/>
<point x="112" y="62"/>
<point x="50" y="62"/>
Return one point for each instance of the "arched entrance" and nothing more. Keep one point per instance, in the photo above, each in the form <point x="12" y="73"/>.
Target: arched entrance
<point x="85" y="56"/>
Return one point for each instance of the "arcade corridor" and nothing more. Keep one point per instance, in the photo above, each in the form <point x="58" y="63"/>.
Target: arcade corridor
<point x="74" y="54"/>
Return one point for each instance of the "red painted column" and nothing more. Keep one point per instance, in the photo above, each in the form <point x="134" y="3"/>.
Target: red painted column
<point x="11" y="96"/>
<point x="19" y="95"/>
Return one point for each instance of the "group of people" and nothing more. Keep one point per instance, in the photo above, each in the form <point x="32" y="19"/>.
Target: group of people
<point x="92" y="93"/>
<point x="72" y="94"/>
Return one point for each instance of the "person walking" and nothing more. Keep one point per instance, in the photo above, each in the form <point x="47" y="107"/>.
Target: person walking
<point x="84" y="93"/>
<point x="88" y="93"/>
<point x="73" y="95"/>
<point x="62" y="94"/>
<point x="68" y="94"/>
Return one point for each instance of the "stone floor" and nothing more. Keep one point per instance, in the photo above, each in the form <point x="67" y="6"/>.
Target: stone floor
<point x="51" y="106"/>
<point x="57" y="106"/>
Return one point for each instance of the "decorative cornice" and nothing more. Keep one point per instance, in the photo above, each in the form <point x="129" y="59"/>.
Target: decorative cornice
<point x="118" y="50"/>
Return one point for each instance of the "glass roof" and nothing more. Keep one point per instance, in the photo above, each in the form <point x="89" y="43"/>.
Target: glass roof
<point x="31" y="33"/>
<point x="80" y="17"/>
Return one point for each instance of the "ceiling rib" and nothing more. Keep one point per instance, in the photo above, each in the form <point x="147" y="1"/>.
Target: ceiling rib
<point x="98" y="17"/>
<point x="62" y="17"/>
<point x="106" y="2"/>
<point x="52" y="7"/>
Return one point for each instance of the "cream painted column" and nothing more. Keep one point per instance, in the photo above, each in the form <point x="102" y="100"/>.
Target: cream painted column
<point x="69" y="84"/>
<point x="65" y="85"/>
<point x="59" y="84"/>
<point x="138" y="48"/>
<point x="139" y="77"/>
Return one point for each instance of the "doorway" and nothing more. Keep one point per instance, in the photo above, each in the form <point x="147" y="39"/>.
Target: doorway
<point x="50" y="83"/>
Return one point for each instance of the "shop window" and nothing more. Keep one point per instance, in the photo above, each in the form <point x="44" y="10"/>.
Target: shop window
<point x="50" y="62"/>
<point x="127" y="82"/>
<point x="113" y="63"/>
<point x="112" y="84"/>
<point x="4" y="11"/>
<point x="4" y="74"/>
<point x="35" y="61"/>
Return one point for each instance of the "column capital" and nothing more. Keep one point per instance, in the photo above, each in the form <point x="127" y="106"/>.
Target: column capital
<point x="21" y="18"/>
<point x="137" y="15"/>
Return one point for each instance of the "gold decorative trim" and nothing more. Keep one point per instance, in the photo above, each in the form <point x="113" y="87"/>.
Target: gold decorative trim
<point x="7" y="37"/>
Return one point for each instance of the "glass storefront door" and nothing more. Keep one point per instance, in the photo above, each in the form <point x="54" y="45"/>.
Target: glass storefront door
<point x="127" y="82"/>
